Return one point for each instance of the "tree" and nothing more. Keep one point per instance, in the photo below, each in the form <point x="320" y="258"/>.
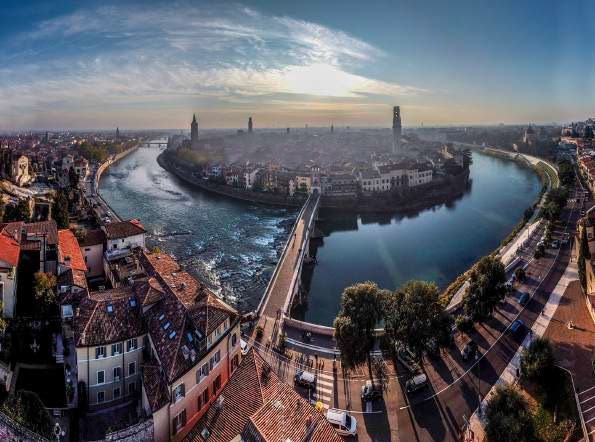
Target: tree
<point x="583" y="254"/>
<point x="1" y="208"/>
<point x="508" y="417"/>
<point x="414" y="316"/>
<point x="520" y="274"/>
<point x="361" y="310"/>
<point x="486" y="288"/>
<point x="60" y="210"/>
<point x="19" y="212"/>
<point x="26" y="408"/>
<point x="537" y="361"/>
<point x="44" y="285"/>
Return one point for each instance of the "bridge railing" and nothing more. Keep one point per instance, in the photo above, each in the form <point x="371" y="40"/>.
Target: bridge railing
<point x="267" y="291"/>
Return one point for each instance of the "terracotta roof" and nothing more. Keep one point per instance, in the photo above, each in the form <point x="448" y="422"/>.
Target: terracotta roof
<point x="68" y="247"/>
<point x="186" y="307"/>
<point x="93" y="238"/>
<point x="154" y="385"/>
<point x="9" y="245"/>
<point x="72" y="277"/>
<point x="124" y="229"/>
<point x="48" y="227"/>
<point x="149" y="292"/>
<point x="107" y="316"/>
<point x="259" y="406"/>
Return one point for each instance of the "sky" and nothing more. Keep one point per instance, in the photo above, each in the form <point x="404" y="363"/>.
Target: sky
<point x="152" y="64"/>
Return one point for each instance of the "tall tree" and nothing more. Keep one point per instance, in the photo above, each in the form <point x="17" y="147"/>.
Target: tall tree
<point x="583" y="254"/>
<point x="486" y="288"/>
<point x="361" y="307"/>
<point x="26" y="408"/>
<point x="60" y="210"/>
<point x="537" y="361"/>
<point x="19" y="212"/>
<point x="414" y="316"/>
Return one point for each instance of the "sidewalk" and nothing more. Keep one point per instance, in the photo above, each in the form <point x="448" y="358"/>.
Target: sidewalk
<point x="508" y="376"/>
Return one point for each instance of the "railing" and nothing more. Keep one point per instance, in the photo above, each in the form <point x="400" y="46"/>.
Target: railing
<point x="267" y="291"/>
<point x="578" y="403"/>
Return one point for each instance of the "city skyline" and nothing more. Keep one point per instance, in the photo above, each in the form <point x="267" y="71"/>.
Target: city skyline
<point x="105" y="65"/>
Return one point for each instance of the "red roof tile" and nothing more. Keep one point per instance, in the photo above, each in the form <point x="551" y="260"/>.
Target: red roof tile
<point x="68" y="249"/>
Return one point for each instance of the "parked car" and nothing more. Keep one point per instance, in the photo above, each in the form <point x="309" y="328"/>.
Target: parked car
<point x="305" y="379"/>
<point x="524" y="299"/>
<point x="416" y="383"/>
<point x="406" y="357"/>
<point x="371" y="392"/>
<point x="344" y="423"/>
<point x="244" y="347"/>
<point x="555" y="244"/>
<point x="469" y="350"/>
<point x="517" y="326"/>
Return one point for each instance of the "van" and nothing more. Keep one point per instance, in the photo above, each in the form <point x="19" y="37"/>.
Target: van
<point x="416" y="383"/>
<point x="343" y="422"/>
<point x="305" y="379"/>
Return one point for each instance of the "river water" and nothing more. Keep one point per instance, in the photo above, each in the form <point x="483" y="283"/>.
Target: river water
<point x="233" y="246"/>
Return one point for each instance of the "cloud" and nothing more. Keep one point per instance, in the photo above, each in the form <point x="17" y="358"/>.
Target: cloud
<point x="116" y="54"/>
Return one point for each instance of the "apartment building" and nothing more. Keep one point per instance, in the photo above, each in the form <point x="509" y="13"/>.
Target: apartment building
<point x="109" y="338"/>
<point x="193" y="340"/>
<point x="92" y="246"/>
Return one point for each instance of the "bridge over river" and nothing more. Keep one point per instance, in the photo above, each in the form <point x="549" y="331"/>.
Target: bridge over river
<point x="285" y="280"/>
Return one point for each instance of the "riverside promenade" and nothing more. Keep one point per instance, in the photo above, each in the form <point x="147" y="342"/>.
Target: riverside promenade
<point x="285" y="280"/>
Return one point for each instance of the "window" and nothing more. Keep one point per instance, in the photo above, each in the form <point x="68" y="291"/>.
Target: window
<point x="217" y="357"/>
<point x="204" y="371"/>
<point x="131" y="344"/>
<point x="100" y="352"/>
<point x="117" y="373"/>
<point x="235" y="362"/>
<point x="100" y="396"/>
<point x="179" y="393"/>
<point x="131" y="388"/>
<point x="216" y="384"/>
<point x="205" y="397"/>
<point x="179" y="421"/>
<point x="117" y="349"/>
<point x="100" y="377"/>
<point x="210" y="340"/>
<point x="131" y="368"/>
<point x="115" y="246"/>
<point x="117" y="393"/>
<point x="234" y="339"/>
<point x="199" y="404"/>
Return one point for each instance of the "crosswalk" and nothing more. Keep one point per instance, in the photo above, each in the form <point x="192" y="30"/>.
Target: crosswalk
<point x="323" y="391"/>
<point x="587" y="400"/>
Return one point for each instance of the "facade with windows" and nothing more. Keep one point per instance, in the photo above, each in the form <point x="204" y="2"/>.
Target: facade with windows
<point x="109" y="337"/>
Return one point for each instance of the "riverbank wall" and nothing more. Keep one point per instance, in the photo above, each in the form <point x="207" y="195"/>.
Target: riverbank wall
<point x="442" y="190"/>
<point x="102" y="168"/>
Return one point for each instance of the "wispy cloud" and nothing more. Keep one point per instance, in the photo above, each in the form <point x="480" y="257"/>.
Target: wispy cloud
<point x="111" y="54"/>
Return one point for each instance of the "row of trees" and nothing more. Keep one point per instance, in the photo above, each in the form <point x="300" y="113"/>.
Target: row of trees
<point x="555" y="200"/>
<point x="412" y="315"/>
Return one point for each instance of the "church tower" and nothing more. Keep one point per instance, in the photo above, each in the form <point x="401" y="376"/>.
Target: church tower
<point x="396" y="129"/>
<point x="194" y="133"/>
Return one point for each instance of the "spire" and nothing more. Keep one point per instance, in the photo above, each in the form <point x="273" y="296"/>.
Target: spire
<point x="194" y="118"/>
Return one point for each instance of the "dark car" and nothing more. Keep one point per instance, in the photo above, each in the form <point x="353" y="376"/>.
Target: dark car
<point x="517" y="326"/>
<point x="469" y="351"/>
<point x="524" y="299"/>
<point x="371" y="392"/>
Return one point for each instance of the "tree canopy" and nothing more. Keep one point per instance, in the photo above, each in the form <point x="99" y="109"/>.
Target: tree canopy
<point x="414" y="316"/>
<point x="361" y="310"/>
<point x="44" y="287"/>
<point x="486" y="288"/>
<point x="537" y="361"/>
<point x="60" y="210"/>
<point x="508" y="417"/>
<point x="19" y="212"/>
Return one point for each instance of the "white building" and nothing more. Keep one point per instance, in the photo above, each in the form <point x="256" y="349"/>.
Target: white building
<point x="9" y="260"/>
<point x="92" y="249"/>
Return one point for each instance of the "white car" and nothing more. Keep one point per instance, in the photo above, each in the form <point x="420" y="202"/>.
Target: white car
<point x="244" y="347"/>
<point x="344" y="423"/>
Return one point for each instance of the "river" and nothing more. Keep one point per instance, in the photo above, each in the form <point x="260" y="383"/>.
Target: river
<point x="233" y="246"/>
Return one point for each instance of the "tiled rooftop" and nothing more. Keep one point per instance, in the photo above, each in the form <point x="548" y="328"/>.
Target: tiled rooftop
<point x="124" y="229"/>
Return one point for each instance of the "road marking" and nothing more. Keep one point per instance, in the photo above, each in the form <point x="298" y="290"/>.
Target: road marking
<point x="368" y="406"/>
<point x="325" y="390"/>
<point x="586" y="422"/>
<point x="588" y="389"/>
<point x="588" y="399"/>
<point x="326" y="383"/>
<point x="589" y="409"/>
<point x="326" y="376"/>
